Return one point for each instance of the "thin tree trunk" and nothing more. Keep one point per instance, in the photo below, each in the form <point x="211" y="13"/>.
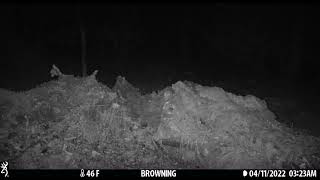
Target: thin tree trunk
<point x="83" y="52"/>
<point x="82" y="41"/>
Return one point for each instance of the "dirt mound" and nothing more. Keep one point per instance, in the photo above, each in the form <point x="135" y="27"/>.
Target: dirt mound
<point x="80" y="123"/>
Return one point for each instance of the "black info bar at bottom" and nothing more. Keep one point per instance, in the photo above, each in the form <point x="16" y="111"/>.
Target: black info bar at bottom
<point x="104" y="173"/>
<point x="170" y="173"/>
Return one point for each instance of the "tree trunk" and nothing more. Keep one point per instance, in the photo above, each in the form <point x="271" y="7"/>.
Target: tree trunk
<point x="82" y="41"/>
<point x="83" y="52"/>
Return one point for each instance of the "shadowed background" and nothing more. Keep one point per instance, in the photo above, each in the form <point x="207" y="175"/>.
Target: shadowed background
<point x="154" y="45"/>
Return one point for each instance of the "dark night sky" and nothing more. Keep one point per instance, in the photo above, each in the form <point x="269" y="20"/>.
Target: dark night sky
<point x="150" y="42"/>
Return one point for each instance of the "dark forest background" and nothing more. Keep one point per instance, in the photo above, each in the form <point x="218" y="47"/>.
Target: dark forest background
<point x="152" y="43"/>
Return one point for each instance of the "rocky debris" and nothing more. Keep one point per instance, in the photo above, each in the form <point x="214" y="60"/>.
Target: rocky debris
<point x="80" y="123"/>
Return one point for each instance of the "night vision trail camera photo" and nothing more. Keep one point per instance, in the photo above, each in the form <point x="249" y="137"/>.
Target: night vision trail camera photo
<point x="198" y="91"/>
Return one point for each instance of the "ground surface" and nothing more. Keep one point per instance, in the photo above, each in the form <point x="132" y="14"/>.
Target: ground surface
<point x="81" y="123"/>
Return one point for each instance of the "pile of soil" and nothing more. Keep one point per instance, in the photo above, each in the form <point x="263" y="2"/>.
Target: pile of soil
<point x="75" y="122"/>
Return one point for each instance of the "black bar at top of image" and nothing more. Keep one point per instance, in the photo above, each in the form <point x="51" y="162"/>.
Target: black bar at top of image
<point x="103" y="173"/>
